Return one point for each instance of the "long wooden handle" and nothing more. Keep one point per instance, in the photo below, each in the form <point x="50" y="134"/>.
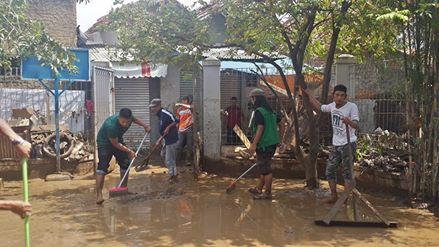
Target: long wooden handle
<point x="26" y="200"/>
<point x="351" y="158"/>
<point x="242" y="136"/>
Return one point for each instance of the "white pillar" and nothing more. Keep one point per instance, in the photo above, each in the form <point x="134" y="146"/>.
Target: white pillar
<point x="170" y="87"/>
<point x="343" y="72"/>
<point x="211" y="109"/>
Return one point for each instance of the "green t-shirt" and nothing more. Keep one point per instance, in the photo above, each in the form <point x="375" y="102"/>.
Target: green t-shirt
<point x="110" y="129"/>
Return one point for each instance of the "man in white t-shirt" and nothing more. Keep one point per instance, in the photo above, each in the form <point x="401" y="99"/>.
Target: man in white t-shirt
<point x="343" y="113"/>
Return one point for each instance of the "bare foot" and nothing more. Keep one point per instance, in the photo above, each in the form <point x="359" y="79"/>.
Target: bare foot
<point x="99" y="199"/>
<point x="331" y="199"/>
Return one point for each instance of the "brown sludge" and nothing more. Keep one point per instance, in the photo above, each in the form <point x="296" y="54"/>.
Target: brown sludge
<point x="190" y="213"/>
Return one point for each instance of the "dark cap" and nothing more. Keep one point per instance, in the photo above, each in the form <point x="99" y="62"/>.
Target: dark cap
<point x="257" y="92"/>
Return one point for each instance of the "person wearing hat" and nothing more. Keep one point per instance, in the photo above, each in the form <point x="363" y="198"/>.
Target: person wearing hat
<point x="343" y="113"/>
<point x="265" y="141"/>
<point x="168" y="129"/>
<point x="110" y="143"/>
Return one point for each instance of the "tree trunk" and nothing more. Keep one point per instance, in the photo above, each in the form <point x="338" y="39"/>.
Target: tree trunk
<point x="331" y="51"/>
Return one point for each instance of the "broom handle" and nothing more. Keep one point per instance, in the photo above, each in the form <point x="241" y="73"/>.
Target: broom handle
<point x="132" y="161"/>
<point x="351" y="159"/>
<point x="26" y="200"/>
<point x="242" y="175"/>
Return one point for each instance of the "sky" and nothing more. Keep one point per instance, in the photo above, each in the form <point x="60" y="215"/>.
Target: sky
<point x="87" y="14"/>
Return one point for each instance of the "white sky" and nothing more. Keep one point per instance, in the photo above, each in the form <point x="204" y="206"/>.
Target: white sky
<point x="87" y="14"/>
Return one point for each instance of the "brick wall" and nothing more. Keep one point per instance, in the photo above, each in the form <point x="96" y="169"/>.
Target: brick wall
<point x="59" y="18"/>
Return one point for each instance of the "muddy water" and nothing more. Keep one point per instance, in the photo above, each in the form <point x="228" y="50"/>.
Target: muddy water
<point x="198" y="214"/>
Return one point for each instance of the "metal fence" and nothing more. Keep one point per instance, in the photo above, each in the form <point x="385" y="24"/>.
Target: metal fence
<point x="376" y="89"/>
<point x="236" y="85"/>
<point x="374" y="86"/>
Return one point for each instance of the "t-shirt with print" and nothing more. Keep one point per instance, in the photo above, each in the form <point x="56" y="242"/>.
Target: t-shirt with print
<point x="338" y="127"/>
<point x="184" y="114"/>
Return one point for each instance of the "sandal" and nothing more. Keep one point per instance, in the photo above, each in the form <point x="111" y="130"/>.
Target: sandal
<point x="254" y="191"/>
<point x="263" y="196"/>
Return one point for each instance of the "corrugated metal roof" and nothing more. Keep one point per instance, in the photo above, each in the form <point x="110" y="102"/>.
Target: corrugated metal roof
<point x="102" y="54"/>
<point x="236" y="54"/>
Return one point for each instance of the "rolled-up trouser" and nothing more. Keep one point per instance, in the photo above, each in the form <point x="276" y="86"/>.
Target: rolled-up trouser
<point x="340" y="154"/>
<point x="106" y="153"/>
<point x="169" y="152"/>
<point x="263" y="159"/>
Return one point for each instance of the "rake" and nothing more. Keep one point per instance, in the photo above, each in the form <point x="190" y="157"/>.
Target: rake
<point x="328" y="220"/>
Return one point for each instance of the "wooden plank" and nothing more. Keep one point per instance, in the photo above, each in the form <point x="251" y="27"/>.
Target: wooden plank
<point x="354" y="207"/>
<point x="355" y="223"/>
<point x="242" y="136"/>
<point x="370" y="206"/>
<point x="337" y="206"/>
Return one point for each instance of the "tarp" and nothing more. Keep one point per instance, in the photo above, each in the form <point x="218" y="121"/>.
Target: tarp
<point x="139" y="70"/>
<point x="72" y="110"/>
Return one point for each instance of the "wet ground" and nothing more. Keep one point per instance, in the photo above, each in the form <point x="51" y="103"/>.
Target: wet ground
<point x="191" y="213"/>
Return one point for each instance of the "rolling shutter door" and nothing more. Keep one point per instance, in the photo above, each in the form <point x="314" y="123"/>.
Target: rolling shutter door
<point x="133" y="93"/>
<point x="186" y="83"/>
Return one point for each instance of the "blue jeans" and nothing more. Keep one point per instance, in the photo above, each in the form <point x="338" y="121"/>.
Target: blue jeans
<point x="169" y="152"/>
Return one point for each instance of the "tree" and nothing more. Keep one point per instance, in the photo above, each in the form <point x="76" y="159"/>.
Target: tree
<point x="406" y="31"/>
<point x="158" y="31"/>
<point x="21" y="37"/>
<point x="166" y="32"/>
<point x="298" y="30"/>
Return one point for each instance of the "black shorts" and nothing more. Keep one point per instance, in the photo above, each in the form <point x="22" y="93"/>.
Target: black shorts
<point x="263" y="159"/>
<point x="106" y="153"/>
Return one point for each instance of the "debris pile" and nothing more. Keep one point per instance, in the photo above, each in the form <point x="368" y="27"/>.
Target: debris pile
<point x="383" y="151"/>
<point x="73" y="147"/>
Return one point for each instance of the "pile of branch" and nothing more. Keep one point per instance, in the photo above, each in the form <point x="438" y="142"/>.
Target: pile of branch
<point x="383" y="151"/>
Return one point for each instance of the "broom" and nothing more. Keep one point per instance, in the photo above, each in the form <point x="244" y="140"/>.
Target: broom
<point x="232" y="186"/>
<point x="145" y="162"/>
<point x="119" y="190"/>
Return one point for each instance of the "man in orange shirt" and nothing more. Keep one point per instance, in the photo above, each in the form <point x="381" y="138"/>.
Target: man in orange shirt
<point x="185" y="129"/>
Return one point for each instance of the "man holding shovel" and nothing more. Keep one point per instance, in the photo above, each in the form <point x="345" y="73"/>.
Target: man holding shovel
<point x="110" y="143"/>
<point x="168" y="129"/>
<point x="343" y="113"/>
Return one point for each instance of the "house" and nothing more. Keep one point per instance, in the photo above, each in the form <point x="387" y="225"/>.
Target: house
<point x="134" y="85"/>
<point x="59" y="20"/>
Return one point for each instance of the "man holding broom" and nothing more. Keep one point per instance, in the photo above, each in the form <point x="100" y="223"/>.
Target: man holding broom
<point x="343" y="113"/>
<point x="110" y="143"/>
<point x="23" y="147"/>
<point x="168" y="130"/>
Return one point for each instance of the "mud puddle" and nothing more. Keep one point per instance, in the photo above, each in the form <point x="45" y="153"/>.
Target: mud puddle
<point x="190" y="213"/>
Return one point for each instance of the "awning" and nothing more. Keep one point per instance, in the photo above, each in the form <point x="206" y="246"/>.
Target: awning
<point x="139" y="70"/>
